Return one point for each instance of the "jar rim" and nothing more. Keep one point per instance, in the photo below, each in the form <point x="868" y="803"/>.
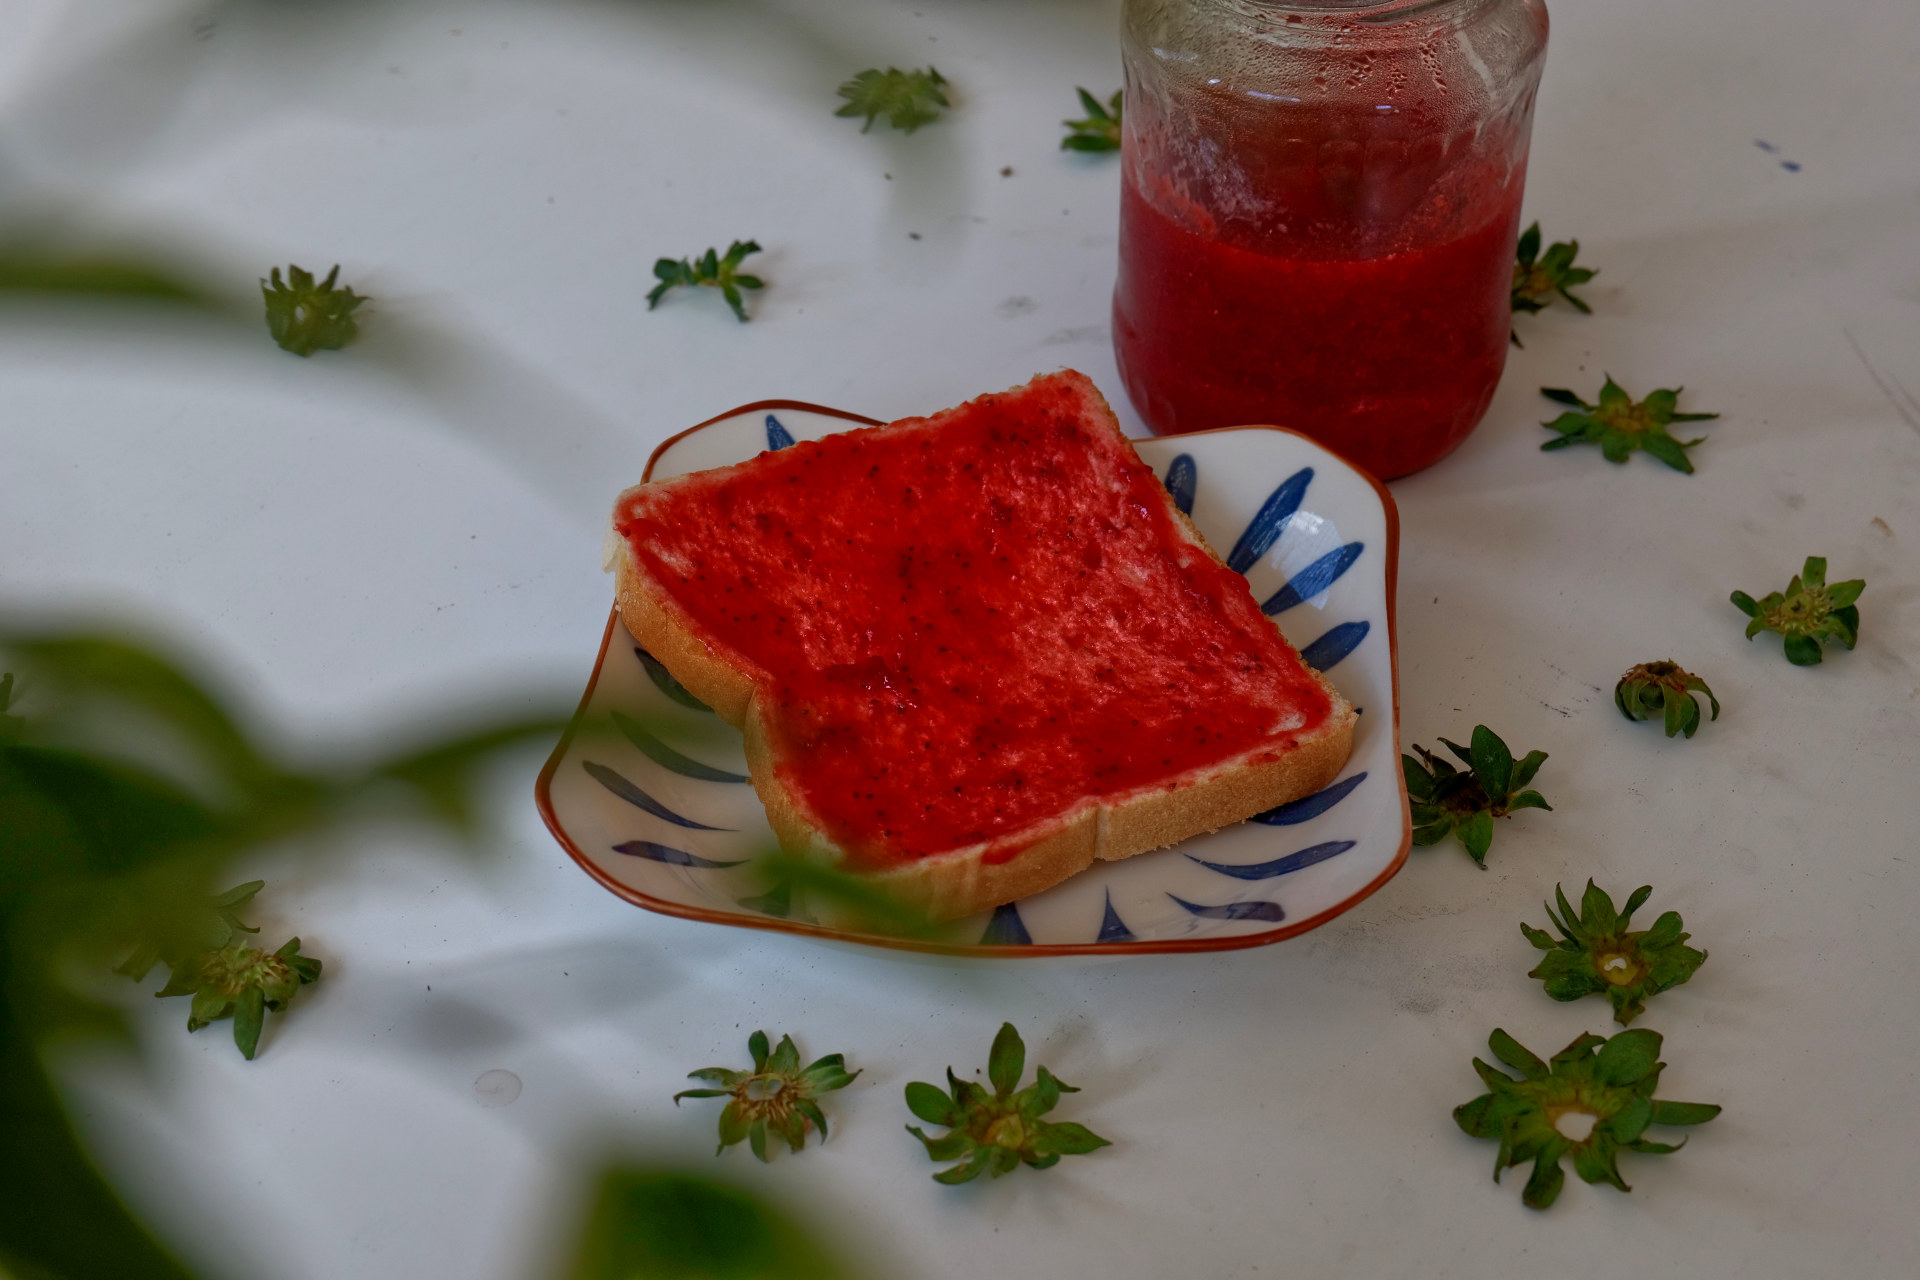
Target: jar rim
<point x="1358" y="10"/>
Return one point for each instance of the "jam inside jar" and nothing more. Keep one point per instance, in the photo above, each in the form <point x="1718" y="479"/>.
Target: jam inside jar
<point x="1319" y="204"/>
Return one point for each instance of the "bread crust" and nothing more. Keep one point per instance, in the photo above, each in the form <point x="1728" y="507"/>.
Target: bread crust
<point x="977" y="877"/>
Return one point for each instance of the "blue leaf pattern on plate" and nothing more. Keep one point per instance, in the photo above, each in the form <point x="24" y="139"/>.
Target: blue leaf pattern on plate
<point x="639" y="799"/>
<point x="1183" y="478"/>
<point x="1234" y="910"/>
<point x="1280" y="866"/>
<point x="1006" y="928"/>
<point x="663" y="853"/>
<point x="1271" y="521"/>
<point x="1112" y="927"/>
<point x="1314" y="579"/>
<point x="667" y="758"/>
<point x="1335" y="645"/>
<point x="1309" y="807"/>
<point x="778" y="437"/>
<point x="663" y="681"/>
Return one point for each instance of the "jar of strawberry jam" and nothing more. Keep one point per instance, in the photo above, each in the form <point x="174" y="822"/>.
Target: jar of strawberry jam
<point x="1319" y="203"/>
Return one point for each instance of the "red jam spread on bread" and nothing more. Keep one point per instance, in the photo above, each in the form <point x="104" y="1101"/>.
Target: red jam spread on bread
<point x="972" y="623"/>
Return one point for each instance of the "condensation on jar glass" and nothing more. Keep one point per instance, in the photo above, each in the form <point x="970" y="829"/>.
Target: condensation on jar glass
<point x="1319" y="204"/>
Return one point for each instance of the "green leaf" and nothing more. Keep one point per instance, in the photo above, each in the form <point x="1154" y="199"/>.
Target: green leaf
<point x="1419" y="781"/>
<point x="827" y="1074"/>
<point x="908" y="99"/>
<point x="1433" y="833"/>
<point x="757" y="1139"/>
<point x="1594" y="1162"/>
<point x="1529" y="246"/>
<point x="240" y="895"/>
<point x="1632" y="1119"/>
<point x="1596" y="910"/>
<point x="734" y="1126"/>
<point x="1529" y="800"/>
<point x="1665" y="932"/>
<point x="966" y="1172"/>
<point x="61" y="1218"/>
<point x="811" y="1110"/>
<point x="1538" y="937"/>
<point x="966" y="1093"/>
<point x="1668" y="450"/>
<point x="644" y="1224"/>
<point x="1006" y="1061"/>
<point x="794" y="1127"/>
<point x="1528" y="766"/>
<point x="1678" y="1113"/>
<point x="1803" y="651"/>
<point x="757" y="1047"/>
<point x="1842" y="594"/>
<point x="1627" y="1058"/>
<point x="1578" y="1052"/>
<point x="949" y="1146"/>
<point x="1477" y="835"/>
<point x="1635" y="900"/>
<point x="1563" y="977"/>
<point x="1476" y="1118"/>
<point x="249" y="1015"/>
<point x="209" y="1006"/>
<point x="1690" y="717"/>
<point x="1099" y="131"/>
<point x="1673" y="713"/>
<point x="1067" y="1138"/>
<point x="1516" y="1055"/>
<point x="1560" y="395"/>
<point x="1492" y="762"/>
<point x="932" y="1104"/>
<point x="1745" y="603"/>
<point x="1044" y="1095"/>
<point x="441" y="772"/>
<point x="1543" y="1187"/>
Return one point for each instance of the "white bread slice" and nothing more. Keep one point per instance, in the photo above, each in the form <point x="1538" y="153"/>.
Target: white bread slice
<point x="952" y="882"/>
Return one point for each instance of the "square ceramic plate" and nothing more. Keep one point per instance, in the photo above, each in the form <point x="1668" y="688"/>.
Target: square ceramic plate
<point x="667" y="821"/>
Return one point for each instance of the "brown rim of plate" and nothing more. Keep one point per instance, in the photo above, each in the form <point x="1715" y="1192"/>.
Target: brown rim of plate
<point x="543" y="786"/>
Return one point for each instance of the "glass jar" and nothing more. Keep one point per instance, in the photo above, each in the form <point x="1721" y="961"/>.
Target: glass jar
<point x="1318" y="210"/>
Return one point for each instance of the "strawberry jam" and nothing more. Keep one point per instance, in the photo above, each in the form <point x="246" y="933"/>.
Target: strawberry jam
<point x="1319" y="204"/>
<point x="1389" y="361"/>
<point x="964" y="627"/>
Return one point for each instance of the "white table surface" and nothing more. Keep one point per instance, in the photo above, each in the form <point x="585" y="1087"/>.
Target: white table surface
<point x="358" y="547"/>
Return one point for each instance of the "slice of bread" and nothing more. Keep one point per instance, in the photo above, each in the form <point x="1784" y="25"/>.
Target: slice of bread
<point x="974" y="652"/>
